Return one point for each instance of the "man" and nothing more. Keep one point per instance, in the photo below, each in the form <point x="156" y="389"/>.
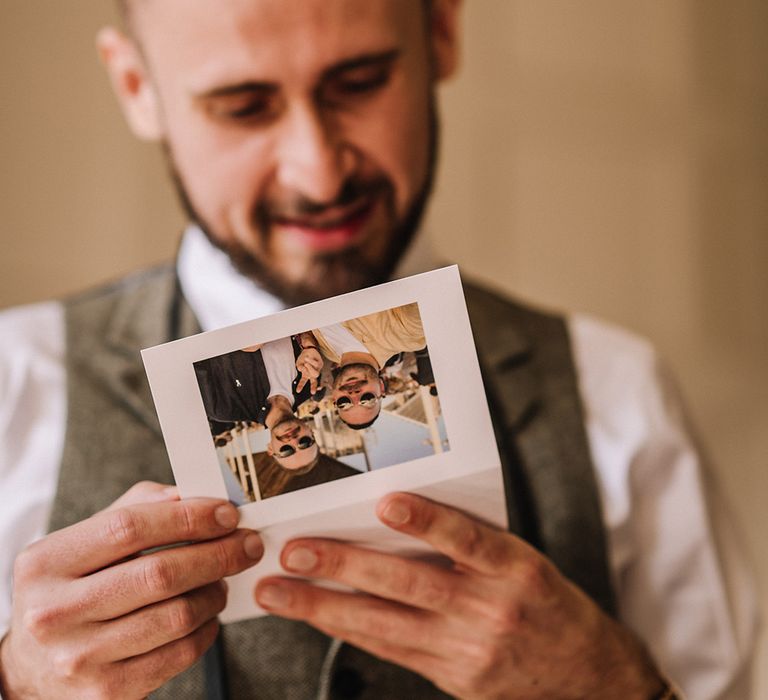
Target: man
<point x="291" y="442"/>
<point x="361" y="348"/>
<point x="358" y="390"/>
<point x="302" y="135"/>
<point x="262" y="384"/>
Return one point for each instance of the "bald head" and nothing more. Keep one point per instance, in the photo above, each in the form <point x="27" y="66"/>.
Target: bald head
<point x="247" y="98"/>
<point x="126" y="7"/>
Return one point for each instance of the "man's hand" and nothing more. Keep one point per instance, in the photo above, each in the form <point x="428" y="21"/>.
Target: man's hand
<point x="309" y="363"/>
<point x="502" y="622"/>
<point x="94" y="616"/>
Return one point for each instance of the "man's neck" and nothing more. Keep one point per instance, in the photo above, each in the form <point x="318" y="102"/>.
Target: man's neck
<point x="220" y="296"/>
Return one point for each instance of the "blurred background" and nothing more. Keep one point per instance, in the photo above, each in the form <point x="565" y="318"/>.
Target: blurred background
<point x="605" y="156"/>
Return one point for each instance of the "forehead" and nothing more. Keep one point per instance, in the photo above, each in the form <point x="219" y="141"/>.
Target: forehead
<point x="268" y="39"/>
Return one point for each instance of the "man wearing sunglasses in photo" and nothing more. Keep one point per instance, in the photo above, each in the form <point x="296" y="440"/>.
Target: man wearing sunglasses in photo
<point x="360" y="348"/>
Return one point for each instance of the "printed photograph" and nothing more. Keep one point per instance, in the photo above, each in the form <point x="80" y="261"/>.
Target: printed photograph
<point x="322" y="405"/>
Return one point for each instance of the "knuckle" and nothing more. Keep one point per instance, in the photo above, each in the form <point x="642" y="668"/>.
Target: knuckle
<point x="101" y="689"/>
<point x="157" y="575"/>
<point x="143" y="486"/>
<point x="506" y="618"/>
<point x="186" y="520"/>
<point x="423" y="587"/>
<point x="332" y="562"/>
<point x="440" y="593"/>
<point x="225" y="557"/>
<point x="181" y="616"/>
<point x="405" y="583"/>
<point x="123" y="528"/>
<point x="381" y="625"/>
<point x="41" y="621"/>
<point x="533" y="576"/>
<point x="28" y="564"/>
<point x="469" y="540"/>
<point x="69" y="663"/>
<point x="484" y="663"/>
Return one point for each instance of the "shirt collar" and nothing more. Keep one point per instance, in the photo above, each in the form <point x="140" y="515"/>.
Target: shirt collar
<point x="220" y="296"/>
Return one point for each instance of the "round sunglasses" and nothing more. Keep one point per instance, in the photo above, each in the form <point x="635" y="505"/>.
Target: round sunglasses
<point x="304" y="443"/>
<point x="367" y="399"/>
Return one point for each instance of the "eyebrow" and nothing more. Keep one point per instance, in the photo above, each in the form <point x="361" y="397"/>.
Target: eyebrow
<point x="245" y="86"/>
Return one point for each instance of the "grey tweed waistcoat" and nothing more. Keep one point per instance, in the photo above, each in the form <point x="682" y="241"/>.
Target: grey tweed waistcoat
<point x="113" y="440"/>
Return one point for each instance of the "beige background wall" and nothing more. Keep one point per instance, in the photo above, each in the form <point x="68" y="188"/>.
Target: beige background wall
<point x="602" y="155"/>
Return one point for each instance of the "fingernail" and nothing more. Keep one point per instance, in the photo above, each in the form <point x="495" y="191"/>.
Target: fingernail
<point x="301" y="559"/>
<point x="227" y="516"/>
<point x="396" y="513"/>
<point x="253" y="546"/>
<point x="273" y="596"/>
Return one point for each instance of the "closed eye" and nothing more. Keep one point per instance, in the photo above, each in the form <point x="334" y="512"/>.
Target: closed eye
<point x="358" y="79"/>
<point x="247" y="103"/>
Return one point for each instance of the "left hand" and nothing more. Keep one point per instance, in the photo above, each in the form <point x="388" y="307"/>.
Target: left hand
<point x="502" y="622"/>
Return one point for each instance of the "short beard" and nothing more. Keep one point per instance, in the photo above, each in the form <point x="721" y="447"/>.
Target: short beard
<point x="333" y="273"/>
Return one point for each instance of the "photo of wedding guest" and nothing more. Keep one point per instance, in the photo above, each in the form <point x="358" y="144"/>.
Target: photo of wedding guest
<point x="360" y="355"/>
<point x="299" y="411"/>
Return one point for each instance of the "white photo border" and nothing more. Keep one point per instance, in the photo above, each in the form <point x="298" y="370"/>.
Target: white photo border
<point x="170" y="369"/>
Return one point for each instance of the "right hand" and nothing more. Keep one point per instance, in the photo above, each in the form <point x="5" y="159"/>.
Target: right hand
<point x="96" y="617"/>
<point x="309" y="364"/>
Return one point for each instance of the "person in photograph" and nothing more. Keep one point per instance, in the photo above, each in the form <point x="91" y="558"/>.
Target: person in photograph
<point x="234" y="388"/>
<point x="361" y="352"/>
<point x="241" y="386"/>
<point x="291" y="441"/>
<point x="302" y="136"/>
<point x="358" y="391"/>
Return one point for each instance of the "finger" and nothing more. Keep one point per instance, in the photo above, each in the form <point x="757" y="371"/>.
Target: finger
<point x="156" y="625"/>
<point x="348" y="613"/>
<point x="420" y="661"/>
<point x="467" y="541"/>
<point x="414" y="583"/>
<point x="145" y="492"/>
<point x="149" y="671"/>
<point x="165" y="574"/>
<point x="113" y="535"/>
<point x="302" y="381"/>
<point x="313" y="385"/>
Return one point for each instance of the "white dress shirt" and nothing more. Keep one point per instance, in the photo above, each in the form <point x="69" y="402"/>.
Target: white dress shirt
<point x="681" y="583"/>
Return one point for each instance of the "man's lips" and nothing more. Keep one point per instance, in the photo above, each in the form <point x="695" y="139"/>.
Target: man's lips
<point x="328" y="231"/>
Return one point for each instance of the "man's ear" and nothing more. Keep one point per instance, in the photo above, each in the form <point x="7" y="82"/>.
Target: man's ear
<point x="131" y="83"/>
<point x="444" y="37"/>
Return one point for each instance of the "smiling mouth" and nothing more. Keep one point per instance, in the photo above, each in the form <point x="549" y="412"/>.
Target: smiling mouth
<point x="331" y="218"/>
<point x="334" y="229"/>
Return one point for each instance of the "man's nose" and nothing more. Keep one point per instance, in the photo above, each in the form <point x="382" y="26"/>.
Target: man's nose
<point x="312" y="157"/>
